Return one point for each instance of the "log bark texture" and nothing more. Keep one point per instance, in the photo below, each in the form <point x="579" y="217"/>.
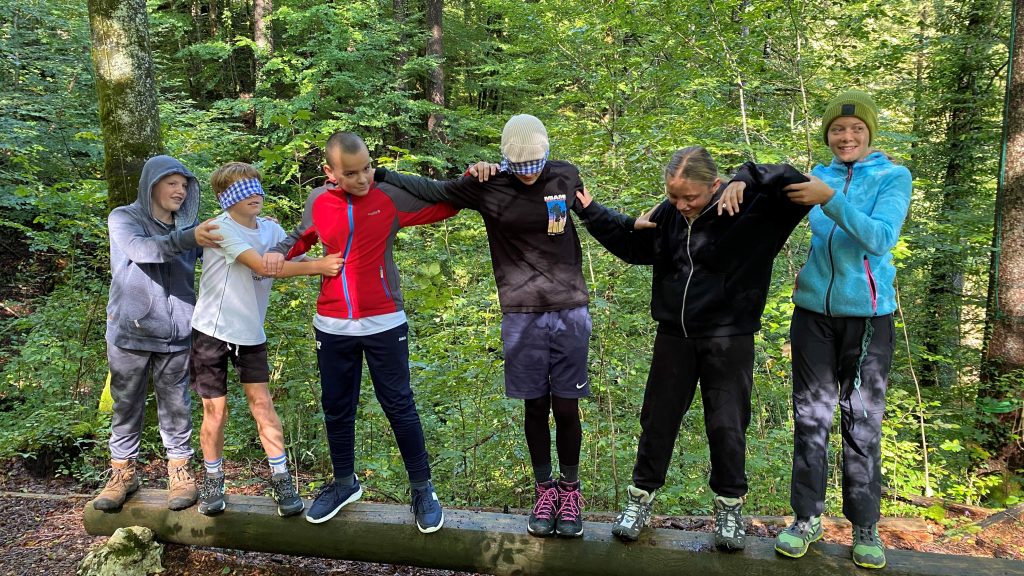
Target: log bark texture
<point x="498" y="544"/>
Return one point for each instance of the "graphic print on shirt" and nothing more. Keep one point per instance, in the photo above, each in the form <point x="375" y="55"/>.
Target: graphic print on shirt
<point x="556" y="214"/>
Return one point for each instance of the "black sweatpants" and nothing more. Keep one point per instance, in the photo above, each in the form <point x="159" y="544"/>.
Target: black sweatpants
<point x="724" y="367"/>
<point x="828" y="354"/>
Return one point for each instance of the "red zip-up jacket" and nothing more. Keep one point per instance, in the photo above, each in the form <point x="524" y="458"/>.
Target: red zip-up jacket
<point x="362" y="229"/>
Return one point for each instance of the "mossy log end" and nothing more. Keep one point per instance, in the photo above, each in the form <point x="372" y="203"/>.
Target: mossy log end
<point x="492" y="543"/>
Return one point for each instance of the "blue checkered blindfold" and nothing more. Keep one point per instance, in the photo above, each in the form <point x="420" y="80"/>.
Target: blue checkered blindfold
<point x="239" y="191"/>
<point x="524" y="168"/>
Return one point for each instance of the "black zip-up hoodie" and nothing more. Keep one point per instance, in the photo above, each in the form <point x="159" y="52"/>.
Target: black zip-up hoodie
<point x="711" y="275"/>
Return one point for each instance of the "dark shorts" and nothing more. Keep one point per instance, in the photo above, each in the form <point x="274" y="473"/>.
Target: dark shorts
<point x="546" y="353"/>
<point x="208" y="364"/>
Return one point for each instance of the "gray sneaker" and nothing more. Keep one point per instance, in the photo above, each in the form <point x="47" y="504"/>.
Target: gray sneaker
<point x="637" y="514"/>
<point x="211" y="495"/>
<point x="730" y="534"/>
<point x="288" y="501"/>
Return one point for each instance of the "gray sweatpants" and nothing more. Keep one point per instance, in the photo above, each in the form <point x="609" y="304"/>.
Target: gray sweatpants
<point x="130" y="371"/>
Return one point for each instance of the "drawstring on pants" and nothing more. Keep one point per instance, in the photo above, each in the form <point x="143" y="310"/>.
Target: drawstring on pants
<point x="865" y="341"/>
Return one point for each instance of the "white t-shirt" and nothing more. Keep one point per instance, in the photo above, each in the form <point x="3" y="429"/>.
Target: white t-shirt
<point x="359" y="326"/>
<point x="233" y="300"/>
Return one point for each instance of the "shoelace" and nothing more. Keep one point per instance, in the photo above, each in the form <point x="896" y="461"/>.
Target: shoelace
<point x="325" y="489"/>
<point x="728" y="518"/>
<point x="421" y="500"/>
<point x="634" y="510"/>
<point x="118" y="476"/>
<point x="180" y="474"/>
<point x="546" y="500"/>
<point x="571" y="505"/>
<point x="866" y="535"/>
<point x="800" y="529"/>
<point x="283" y="488"/>
<point x="210" y="487"/>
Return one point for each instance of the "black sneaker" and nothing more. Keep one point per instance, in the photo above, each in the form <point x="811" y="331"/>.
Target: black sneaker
<point x="570" y="513"/>
<point x="330" y="499"/>
<point x="429" y="515"/>
<point x="288" y="501"/>
<point x="211" y="495"/>
<point x="542" y="518"/>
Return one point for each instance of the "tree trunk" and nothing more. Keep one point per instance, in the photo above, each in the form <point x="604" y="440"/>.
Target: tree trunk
<point x="261" y="35"/>
<point x="919" y="89"/>
<point x="401" y="59"/>
<point x="1004" y="328"/>
<point x="191" y="63"/>
<point x="129" y="117"/>
<point x="214" y="17"/>
<point x="946" y="282"/>
<point x="435" y="48"/>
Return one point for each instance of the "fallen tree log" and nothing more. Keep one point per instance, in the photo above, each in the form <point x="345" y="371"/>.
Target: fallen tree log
<point x="498" y="544"/>
<point x="885" y="525"/>
<point x="1014" y="513"/>
<point x="929" y="501"/>
<point x="897" y="532"/>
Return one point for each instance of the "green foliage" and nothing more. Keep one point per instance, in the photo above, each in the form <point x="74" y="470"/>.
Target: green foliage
<point x="619" y="86"/>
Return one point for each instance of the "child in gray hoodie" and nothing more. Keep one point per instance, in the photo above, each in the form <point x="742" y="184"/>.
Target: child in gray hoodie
<point x="154" y="243"/>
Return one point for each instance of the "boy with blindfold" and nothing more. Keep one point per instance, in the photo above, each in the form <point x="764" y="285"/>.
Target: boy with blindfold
<point x="545" y="326"/>
<point x="228" y="325"/>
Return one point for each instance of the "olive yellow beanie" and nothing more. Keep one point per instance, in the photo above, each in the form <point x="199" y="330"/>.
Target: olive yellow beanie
<point x="851" y="103"/>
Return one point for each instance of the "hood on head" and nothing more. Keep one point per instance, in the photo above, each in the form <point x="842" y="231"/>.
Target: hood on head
<point x="156" y="168"/>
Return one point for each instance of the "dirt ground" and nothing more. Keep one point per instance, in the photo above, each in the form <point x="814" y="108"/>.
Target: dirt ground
<point x="44" y="535"/>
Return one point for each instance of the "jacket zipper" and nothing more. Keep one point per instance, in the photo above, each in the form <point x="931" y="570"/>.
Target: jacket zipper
<point x="831" y="256"/>
<point x="344" y="265"/>
<point x="384" y="283"/>
<point x="686" y="288"/>
<point x="872" y="288"/>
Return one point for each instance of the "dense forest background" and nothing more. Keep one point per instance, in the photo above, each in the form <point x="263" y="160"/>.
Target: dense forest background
<point x="429" y="84"/>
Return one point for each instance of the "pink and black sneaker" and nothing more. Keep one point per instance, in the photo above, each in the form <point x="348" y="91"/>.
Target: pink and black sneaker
<point x="542" y="518"/>
<point x="570" y="513"/>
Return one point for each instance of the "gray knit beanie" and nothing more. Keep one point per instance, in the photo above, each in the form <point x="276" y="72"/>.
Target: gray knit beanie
<point x="524" y="138"/>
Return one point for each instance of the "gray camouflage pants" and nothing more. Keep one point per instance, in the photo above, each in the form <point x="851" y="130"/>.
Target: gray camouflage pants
<point x="130" y="371"/>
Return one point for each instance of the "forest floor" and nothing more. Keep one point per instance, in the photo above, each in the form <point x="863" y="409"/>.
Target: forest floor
<point x="41" y="532"/>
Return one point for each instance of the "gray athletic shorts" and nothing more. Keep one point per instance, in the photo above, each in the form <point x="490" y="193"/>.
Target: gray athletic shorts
<point x="546" y="353"/>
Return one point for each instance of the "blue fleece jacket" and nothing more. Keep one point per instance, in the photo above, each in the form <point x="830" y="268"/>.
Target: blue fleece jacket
<point x="153" y="267"/>
<point x="849" y="270"/>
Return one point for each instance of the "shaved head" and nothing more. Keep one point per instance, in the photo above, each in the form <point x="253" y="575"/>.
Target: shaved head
<point x="346" y="142"/>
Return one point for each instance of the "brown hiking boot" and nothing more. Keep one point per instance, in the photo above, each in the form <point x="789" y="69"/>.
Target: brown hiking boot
<point x="181" y="486"/>
<point x="123" y="481"/>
